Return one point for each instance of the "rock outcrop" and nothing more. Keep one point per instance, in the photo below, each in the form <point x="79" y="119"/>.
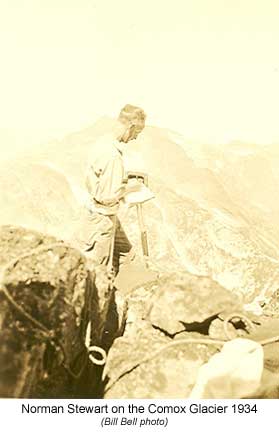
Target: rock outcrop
<point x="152" y="359"/>
<point x="133" y="372"/>
<point x="173" y="327"/>
<point x="187" y="300"/>
<point x="45" y="298"/>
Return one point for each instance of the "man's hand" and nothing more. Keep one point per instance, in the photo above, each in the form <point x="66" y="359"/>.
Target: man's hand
<point x="133" y="185"/>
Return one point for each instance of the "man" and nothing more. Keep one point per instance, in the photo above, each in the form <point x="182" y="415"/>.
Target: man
<point x="105" y="182"/>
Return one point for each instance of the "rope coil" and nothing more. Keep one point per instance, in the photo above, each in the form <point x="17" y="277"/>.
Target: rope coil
<point x="248" y="323"/>
<point x="101" y="352"/>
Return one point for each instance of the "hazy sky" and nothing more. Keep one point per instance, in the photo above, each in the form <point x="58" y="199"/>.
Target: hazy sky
<point x="206" y="68"/>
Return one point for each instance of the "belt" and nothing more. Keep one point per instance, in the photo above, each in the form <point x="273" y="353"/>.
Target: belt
<point x="106" y="202"/>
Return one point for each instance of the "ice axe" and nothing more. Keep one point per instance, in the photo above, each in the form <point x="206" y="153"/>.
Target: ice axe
<point x="111" y="249"/>
<point x="141" y="177"/>
<point x="136" y="272"/>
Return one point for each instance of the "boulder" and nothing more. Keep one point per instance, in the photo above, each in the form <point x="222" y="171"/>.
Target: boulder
<point x="139" y="305"/>
<point x="148" y="365"/>
<point x="46" y="297"/>
<point x="182" y="300"/>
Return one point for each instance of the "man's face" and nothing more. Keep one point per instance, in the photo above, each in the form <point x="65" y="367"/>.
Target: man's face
<point x="134" y="131"/>
<point x="127" y="132"/>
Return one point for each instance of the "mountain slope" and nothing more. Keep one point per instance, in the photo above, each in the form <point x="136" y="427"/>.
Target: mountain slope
<point x="210" y="214"/>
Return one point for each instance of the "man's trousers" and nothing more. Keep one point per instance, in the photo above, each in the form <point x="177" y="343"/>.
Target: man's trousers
<point x="96" y="235"/>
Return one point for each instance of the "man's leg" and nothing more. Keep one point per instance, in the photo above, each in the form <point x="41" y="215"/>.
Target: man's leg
<point x="95" y="237"/>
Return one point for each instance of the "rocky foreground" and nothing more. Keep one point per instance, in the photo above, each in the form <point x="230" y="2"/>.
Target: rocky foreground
<point x="159" y="338"/>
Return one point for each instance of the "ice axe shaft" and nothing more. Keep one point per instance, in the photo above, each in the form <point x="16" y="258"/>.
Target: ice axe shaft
<point x="111" y="249"/>
<point x="142" y="177"/>
<point x="143" y="231"/>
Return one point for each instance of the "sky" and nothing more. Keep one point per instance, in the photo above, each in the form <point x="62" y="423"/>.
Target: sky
<point x="208" y="69"/>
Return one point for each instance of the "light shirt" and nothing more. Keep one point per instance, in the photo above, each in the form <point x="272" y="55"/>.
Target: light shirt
<point x="105" y="175"/>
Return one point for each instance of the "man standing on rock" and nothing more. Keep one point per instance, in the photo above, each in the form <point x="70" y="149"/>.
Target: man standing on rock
<point x="105" y="182"/>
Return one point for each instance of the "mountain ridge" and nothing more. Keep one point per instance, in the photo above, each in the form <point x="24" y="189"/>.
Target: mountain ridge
<point x="202" y="212"/>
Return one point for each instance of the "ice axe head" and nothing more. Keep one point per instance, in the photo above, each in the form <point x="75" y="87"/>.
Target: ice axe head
<point x="139" y="176"/>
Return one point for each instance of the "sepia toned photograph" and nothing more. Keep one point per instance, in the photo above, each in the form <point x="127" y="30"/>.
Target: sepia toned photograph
<point x="139" y="199"/>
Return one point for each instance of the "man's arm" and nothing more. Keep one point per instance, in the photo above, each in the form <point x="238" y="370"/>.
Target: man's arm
<point x="110" y="182"/>
<point x="105" y="181"/>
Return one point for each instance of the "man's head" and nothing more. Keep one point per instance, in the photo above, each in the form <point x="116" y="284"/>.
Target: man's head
<point x="132" y="121"/>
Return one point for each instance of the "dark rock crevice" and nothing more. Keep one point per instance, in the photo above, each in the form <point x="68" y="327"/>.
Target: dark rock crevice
<point x="42" y="308"/>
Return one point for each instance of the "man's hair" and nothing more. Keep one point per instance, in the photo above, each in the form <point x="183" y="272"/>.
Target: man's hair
<point x="132" y="115"/>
